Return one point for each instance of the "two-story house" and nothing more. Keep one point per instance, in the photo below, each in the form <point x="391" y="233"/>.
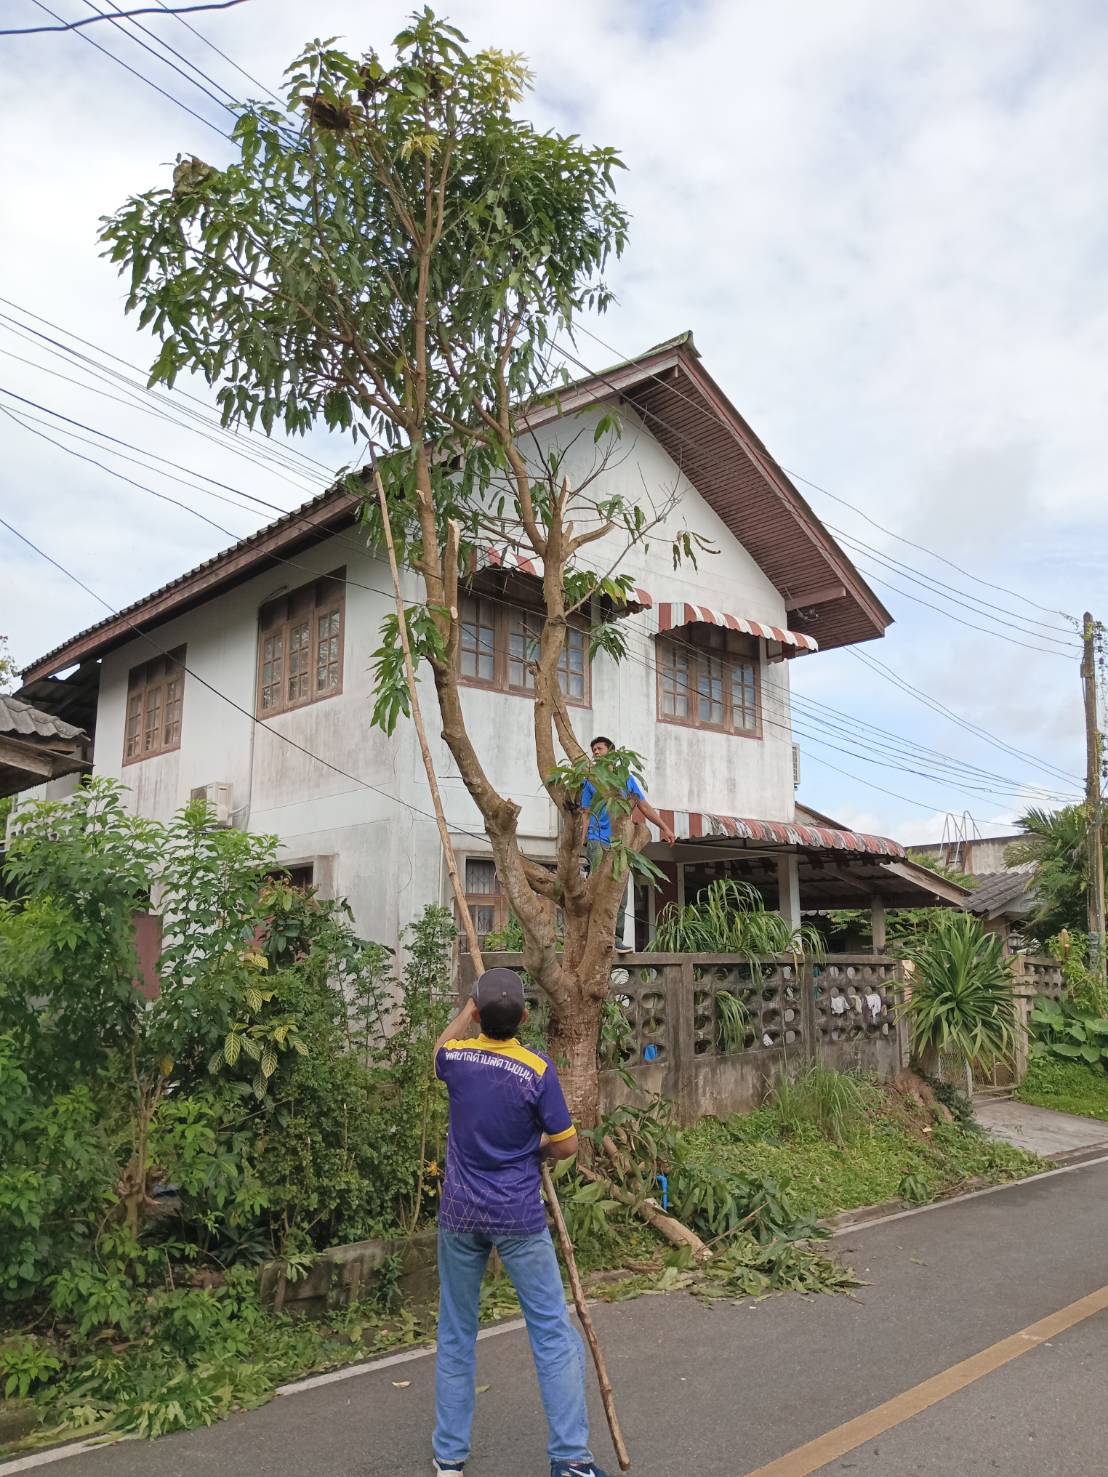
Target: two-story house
<point x="249" y="679"/>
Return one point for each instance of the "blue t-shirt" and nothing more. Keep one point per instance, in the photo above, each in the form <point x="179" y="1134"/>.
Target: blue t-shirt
<point x="503" y="1098"/>
<point x="600" y="822"/>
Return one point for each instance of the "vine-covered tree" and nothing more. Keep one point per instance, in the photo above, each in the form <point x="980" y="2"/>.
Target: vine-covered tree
<point x="391" y="256"/>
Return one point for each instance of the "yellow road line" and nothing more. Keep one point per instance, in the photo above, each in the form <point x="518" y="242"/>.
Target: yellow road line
<point x="852" y="1434"/>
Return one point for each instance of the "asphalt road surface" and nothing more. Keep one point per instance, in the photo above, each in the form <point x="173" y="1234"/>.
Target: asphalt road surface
<point x="984" y="1324"/>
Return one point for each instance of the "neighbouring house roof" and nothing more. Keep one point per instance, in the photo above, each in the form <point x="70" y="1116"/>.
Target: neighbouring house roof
<point x="687" y="413"/>
<point x="36" y="746"/>
<point x="838" y="868"/>
<point x="1009" y="892"/>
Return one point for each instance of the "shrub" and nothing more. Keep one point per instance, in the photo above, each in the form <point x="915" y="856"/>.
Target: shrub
<point x="961" y="1003"/>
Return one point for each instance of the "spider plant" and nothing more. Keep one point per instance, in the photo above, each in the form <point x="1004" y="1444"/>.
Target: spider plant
<point x="732" y="1022"/>
<point x="961" y="1004"/>
<point x="729" y="917"/>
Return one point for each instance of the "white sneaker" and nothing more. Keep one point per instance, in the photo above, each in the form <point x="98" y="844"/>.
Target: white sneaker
<point x="449" y="1470"/>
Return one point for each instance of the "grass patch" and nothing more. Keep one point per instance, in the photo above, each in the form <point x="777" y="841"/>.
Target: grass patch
<point x="890" y="1155"/>
<point x="1068" y="1087"/>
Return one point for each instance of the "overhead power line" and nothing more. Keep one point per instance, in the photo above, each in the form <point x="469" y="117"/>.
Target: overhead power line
<point x="169" y="96"/>
<point x="224" y="697"/>
<point x="649" y="413"/>
<point x="125" y="15"/>
<point x="180" y="16"/>
<point x="904" y="755"/>
<point x="117" y="19"/>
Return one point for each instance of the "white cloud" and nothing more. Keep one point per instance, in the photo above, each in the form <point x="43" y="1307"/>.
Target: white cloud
<point x="884" y="224"/>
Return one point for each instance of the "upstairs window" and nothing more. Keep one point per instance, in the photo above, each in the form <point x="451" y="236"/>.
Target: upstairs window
<point x="155" y="695"/>
<point x="500" y="644"/>
<point x="300" y="645"/>
<point x="708" y="678"/>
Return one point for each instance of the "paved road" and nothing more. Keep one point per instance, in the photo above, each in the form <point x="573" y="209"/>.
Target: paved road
<point x="724" y="1391"/>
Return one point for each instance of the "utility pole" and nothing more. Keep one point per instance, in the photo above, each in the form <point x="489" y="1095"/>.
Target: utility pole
<point x="1093" y="796"/>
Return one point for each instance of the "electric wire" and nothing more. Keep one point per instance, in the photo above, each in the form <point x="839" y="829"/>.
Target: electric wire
<point x="258" y="722"/>
<point x="920" y="548"/>
<point x="950" y="770"/>
<point x="207" y="122"/>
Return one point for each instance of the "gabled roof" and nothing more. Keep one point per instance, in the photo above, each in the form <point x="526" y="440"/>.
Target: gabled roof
<point x="688" y="414"/>
<point x="1011" y="891"/>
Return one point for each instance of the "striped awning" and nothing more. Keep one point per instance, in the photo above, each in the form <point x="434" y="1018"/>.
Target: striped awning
<point x="669" y="615"/>
<point x="696" y="825"/>
<point x="672" y="614"/>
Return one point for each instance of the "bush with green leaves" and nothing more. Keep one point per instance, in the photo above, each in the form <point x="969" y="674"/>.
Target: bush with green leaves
<point x="1062" y="1029"/>
<point x="961" y="1006"/>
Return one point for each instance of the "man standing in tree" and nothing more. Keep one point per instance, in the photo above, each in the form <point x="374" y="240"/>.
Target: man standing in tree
<point x="507" y="1112"/>
<point x="596" y="828"/>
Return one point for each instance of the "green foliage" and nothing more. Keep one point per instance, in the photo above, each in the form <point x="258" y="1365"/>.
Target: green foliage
<point x="392" y="263"/>
<point x="25" y="1364"/>
<point x="729" y="917"/>
<point x="1085" y="989"/>
<point x="914" y="1189"/>
<point x="391" y="695"/>
<point x="961" y="1003"/>
<point x="1062" y="1029"/>
<point x="836" y="1103"/>
<point x="732" y="1021"/>
<point x="1067" y="1086"/>
<point x="1058" y="842"/>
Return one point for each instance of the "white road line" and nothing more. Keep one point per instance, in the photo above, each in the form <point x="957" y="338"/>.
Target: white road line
<point x="350" y="1370"/>
<point x="58" y="1454"/>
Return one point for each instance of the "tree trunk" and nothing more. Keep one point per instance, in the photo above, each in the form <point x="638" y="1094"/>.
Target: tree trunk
<point x="574" y="1033"/>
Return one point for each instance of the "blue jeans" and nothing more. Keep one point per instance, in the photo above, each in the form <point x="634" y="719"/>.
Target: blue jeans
<point x="596" y="851"/>
<point x="556" y="1347"/>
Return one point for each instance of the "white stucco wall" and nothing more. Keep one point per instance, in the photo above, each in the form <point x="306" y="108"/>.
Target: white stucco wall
<point x="386" y="856"/>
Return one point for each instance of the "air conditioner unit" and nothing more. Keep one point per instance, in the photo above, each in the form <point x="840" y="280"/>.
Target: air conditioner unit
<point x="218" y="800"/>
<point x="796" y="766"/>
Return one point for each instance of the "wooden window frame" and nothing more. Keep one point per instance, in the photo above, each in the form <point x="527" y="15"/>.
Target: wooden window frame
<point x="310" y="606"/>
<point x="732" y="648"/>
<point x="154" y="687"/>
<point x="501" y="617"/>
<point x="497" y="900"/>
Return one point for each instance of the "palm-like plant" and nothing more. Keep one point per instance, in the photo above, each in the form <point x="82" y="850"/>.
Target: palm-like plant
<point x="961" y="1004"/>
<point x="729" y="917"/>
<point x="1058" y="841"/>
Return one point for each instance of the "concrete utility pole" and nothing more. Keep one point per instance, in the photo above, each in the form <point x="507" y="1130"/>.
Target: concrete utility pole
<point x="1093" y="796"/>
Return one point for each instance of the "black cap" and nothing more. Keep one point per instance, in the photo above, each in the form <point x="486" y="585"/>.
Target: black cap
<point x="499" y="985"/>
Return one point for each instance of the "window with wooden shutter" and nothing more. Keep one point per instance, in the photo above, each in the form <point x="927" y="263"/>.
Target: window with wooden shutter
<point x="708" y="677"/>
<point x="155" y="699"/>
<point x="300" y="645"/>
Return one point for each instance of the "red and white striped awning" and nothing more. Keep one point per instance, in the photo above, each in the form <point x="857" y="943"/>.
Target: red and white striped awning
<point x="697" y="825"/>
<point x="672" y="614"/>
<point x="669" y="614"/>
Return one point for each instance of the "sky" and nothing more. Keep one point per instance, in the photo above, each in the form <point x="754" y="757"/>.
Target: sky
<point x="886" y="227"/>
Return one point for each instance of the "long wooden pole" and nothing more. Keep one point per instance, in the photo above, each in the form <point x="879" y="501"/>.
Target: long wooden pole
<point x="578" y="1291"/>
<point x="1093" y="798"/>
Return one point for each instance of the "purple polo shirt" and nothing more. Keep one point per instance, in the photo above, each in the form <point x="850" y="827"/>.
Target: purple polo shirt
<point x="503" y="1098"/>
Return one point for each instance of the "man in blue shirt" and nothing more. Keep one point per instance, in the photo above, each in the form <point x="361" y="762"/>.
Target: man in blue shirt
<point x="507" y="1112"/>
<point x="596" y="828"/>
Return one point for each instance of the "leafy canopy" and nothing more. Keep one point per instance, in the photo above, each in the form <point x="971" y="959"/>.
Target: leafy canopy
<point x="391" y="262"/>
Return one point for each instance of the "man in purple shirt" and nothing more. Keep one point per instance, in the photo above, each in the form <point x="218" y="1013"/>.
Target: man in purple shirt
<point x="507" y="1112"/>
